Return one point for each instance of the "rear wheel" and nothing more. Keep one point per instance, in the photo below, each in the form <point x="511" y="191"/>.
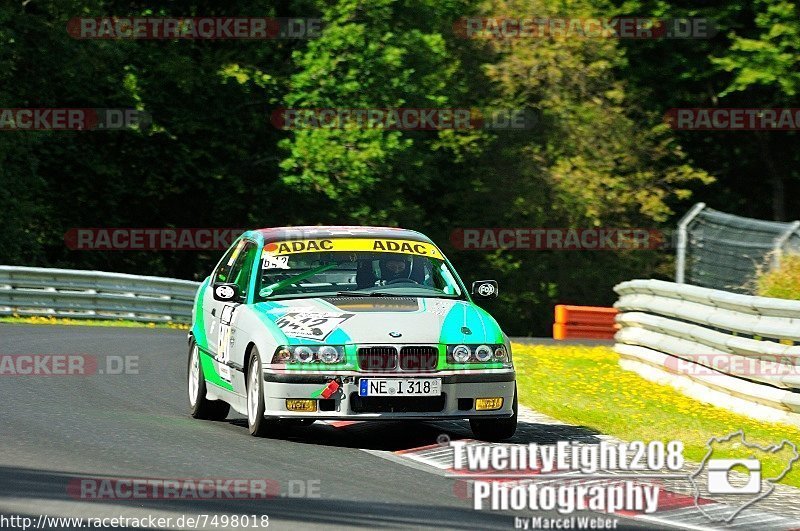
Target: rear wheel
<point x="199" y="406"/>
<point x="496" y="429"/>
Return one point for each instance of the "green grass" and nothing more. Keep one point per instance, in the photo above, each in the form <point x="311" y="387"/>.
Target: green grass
<point x="586" y="386"/>
<point x="784" y="282"/>
<point x="89" y="322"/>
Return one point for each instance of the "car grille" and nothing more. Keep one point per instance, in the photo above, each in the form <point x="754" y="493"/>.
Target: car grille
<point x="377" y="358"/>
<point x="419" y="358"/>
<point x="410" y="358"/>
<point x="391" y="404"/>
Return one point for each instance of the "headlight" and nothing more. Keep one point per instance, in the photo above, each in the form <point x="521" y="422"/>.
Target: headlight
<point x="483" y="353"/>
<point x="461" y="354"/>
<point x="308" y="354"/>
<point x="486" y="353"/>
<point x="329" y="354"/>
<point x="304" y="354"/>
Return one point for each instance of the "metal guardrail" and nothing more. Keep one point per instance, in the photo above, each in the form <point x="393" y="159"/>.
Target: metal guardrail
<point x="661" y="323"/>
<point x="94" y="295"/>
<point x="687" y="330"/>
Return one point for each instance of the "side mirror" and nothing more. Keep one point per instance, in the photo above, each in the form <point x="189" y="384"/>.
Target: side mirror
<point x="484" y="289"/>
<point x="226" y="292"/>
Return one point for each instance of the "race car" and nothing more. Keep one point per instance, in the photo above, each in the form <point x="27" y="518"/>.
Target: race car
<point x="297" y="324"/>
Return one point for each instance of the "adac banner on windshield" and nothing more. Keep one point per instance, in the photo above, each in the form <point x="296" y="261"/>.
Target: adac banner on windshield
<point x="353" y="245"/>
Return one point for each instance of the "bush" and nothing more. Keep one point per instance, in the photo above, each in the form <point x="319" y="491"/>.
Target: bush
<point x="784" y="282"/>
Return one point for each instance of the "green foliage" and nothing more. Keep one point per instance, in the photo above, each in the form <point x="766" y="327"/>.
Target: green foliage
<point x="783" y="282"/>
<point x="753" y="61"/>
<point x="375" y="58"/>
<point x="772" y="58"/>
<point x="598" y="156"/>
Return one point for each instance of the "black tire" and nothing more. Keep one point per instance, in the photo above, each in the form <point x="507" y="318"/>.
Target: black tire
<point x="257" y="425"/>
<point x="199" y="406"/>
<point x="494" y="430"/>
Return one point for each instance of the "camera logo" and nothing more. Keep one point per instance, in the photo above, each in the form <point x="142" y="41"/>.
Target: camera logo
<point x="739" y="481"/>
<point x="719" y="480"/>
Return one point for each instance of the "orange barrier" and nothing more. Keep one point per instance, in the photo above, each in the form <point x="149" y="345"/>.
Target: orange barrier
<point x="584" y="322"/>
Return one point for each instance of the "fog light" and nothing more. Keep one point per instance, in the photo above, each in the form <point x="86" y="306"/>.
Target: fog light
<point x="304" y="405"/>
<point x="488" y="404"/>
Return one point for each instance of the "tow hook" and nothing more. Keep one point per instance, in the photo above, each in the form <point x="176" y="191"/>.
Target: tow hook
<point x="330" y="389"/>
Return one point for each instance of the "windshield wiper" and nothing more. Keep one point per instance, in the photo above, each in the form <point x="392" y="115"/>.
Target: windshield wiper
<point x="272" y="288"/>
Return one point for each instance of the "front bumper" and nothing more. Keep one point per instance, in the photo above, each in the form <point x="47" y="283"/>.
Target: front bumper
<point x="459" y="391"/>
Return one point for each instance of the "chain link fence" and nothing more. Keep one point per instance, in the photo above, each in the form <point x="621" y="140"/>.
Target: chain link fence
<point x="723" y="251"/>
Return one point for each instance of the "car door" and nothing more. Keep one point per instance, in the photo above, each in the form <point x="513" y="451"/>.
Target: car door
<point x="236" y="269"/>
<point x="212" y="307"/>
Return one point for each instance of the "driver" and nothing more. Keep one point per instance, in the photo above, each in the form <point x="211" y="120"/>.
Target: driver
<point x="393" y="268"/>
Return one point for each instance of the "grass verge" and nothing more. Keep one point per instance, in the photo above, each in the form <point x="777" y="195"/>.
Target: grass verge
<point x="586" y="386"/>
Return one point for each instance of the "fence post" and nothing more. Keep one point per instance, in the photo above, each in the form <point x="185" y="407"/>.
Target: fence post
<point x="683" y="224"/>
<point x="780" y="241"/>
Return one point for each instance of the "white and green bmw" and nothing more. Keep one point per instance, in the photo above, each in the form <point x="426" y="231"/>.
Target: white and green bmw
<point x="362" y="323"/>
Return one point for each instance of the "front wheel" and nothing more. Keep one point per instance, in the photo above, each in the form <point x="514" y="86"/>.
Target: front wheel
<point x="496" y="429"/>
<point x="256" y="423"/>
<point x="199" y="406"/>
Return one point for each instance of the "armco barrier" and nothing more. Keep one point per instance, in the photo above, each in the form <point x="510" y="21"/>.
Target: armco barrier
<point x="584" y="322"/>
<point x="737" y="346"/>
<point x="94" y="295"/>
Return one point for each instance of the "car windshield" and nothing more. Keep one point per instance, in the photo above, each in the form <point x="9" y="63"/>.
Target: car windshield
<point x="355" y="273"/>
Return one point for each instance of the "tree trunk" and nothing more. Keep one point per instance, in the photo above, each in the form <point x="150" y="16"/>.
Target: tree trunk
<point x="775" y="177"/>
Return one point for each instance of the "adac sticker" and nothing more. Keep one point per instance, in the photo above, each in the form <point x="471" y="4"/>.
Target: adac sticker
<point x="311" y="325"/>
<point x="353" y="245"/>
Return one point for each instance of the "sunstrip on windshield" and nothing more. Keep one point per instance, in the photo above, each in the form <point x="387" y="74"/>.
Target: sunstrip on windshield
<point x="352" y="245"/>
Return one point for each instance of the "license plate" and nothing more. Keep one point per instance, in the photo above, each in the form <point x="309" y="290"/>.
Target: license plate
<point x="397" y="387"/>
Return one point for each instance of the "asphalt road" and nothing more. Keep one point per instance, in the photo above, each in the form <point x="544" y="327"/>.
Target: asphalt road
<point x="55" y="430"/>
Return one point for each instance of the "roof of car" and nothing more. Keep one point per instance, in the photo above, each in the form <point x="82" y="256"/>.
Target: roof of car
<point x="313" y="232"/>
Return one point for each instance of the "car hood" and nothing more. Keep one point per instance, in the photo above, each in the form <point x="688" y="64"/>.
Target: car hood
<point x="379" y="320"/>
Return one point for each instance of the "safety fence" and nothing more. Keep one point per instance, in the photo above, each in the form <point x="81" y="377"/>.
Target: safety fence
<point x="743" y="349"/>
<point x="77" y="294"/>
<point x="722" y="251"/>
